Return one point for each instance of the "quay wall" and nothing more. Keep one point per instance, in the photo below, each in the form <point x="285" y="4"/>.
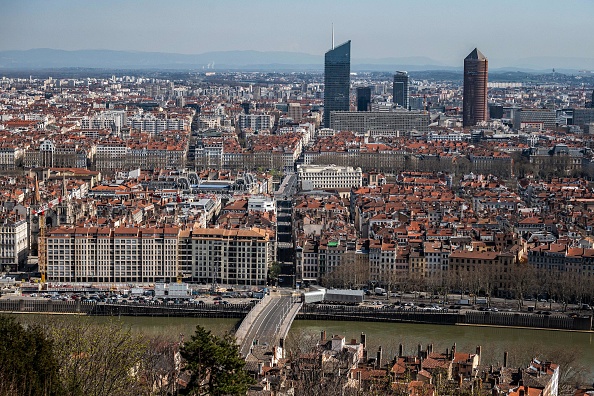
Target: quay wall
<point x="307" y="312"/>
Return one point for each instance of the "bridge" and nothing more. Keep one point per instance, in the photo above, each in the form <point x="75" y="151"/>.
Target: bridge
<point x="268" y="323"/>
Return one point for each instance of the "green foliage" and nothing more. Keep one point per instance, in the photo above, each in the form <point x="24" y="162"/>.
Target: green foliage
<point x="215" y="366"/>
<point x="27" y="362"/>
<point x="274" y="271"/>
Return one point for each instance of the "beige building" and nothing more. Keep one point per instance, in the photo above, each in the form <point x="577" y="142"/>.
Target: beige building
<point x="237" y="256"/>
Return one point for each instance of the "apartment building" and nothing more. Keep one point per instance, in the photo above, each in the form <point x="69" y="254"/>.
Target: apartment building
<point x="14" y="242"/>
<point x="153" y="125"/>
<point x="120" y="254"/>
<point x="256" y="122"/>
<point x="111" y="120"/>
<point x="235" y="257"/>
<point x="10" y="157"/>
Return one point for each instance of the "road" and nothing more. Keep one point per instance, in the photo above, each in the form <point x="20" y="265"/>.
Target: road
<point x="265" y="328"/>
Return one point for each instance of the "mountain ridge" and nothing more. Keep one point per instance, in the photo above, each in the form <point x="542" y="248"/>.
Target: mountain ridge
<point x="44" y="58"/>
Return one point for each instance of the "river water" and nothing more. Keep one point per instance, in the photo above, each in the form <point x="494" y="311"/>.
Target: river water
<point x="520" y="343"/>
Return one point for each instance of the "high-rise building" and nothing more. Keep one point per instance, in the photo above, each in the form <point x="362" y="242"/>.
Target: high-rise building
<point x="476" y="72"/>
<point x="363" y="98"/>
<point x="337" y="80"/>
<point x="400" y="89"/>
<point x="294" y="111"/>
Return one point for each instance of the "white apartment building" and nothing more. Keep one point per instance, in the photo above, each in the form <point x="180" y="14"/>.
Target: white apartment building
<point x="151" y="124"/>
<point x="329" y="176"/>
<point x="123" y="254"/>
<point x="261" y="204"/>
<point x="9" y="157"/>
<point x="14" y="242"/>
<point x="112" y="120"/>
<point x="256" y="122"/>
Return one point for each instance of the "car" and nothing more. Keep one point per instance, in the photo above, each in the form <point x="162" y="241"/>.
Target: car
<point x="225" y="302"/>
<point x="218" y="298"/>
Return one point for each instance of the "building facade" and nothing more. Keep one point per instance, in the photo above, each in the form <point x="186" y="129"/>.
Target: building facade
<point x="395" y="121"/>
<point x="363" y="98"/>
<point x="337" y="80"/>
<point x="121" y="254"/>
<point x="14" y="242"/>
<point x="233" y="257"/>
<point x="329" y="177"/>
<point x="400" y="89"/>
<point x="476" y="75"/>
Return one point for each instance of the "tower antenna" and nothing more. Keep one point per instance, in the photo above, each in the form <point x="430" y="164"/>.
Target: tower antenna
<point x="332" y="35"/>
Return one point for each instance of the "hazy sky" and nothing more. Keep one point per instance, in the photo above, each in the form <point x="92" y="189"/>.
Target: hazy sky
<point x="443" y="30"/>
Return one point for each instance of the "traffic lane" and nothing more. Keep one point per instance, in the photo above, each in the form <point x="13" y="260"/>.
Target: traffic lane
<point x="265" y="327"/>
<point x="254" y="331"/>
<point x="271" y="327"/>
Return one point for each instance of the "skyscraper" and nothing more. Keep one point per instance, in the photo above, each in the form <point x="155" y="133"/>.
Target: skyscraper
<point x="337" y="80"/>
<point x="363" y="98"/>
<point x="400" y="89"/>
<point x="476" y="73"/>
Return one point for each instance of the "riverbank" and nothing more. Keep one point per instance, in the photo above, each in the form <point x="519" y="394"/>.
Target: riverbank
<point x="556" y="321"/>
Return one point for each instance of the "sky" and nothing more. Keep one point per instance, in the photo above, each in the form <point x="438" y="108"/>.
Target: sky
<point x="506" y="31"/>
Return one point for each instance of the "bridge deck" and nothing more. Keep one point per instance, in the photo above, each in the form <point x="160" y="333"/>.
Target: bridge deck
<point x="267" y="327"/>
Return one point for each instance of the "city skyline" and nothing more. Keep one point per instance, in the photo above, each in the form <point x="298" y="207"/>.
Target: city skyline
<point x="198" y="27"/>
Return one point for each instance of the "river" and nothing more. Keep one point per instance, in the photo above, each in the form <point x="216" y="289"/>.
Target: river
<point x="520" y="343"/>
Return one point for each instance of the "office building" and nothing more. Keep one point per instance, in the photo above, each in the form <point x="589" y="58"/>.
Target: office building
<point x="476" y="71"/>
<point x="400" y="89"/>
<point x="583" y="117"/>
<point x="543" y="119"/>
<point x="363" y="98"/>
<point x="386" y="122"/>
<point x="337" y="80"/>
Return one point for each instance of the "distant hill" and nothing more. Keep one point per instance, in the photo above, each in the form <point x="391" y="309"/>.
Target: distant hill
<point x="44" y="58"/>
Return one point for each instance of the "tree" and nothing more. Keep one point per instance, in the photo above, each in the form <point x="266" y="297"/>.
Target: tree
<point x="27" y="362"/>
<point x="274" y="271"/>
<point x="214" y="365"/>
<point x="98" y="359"/>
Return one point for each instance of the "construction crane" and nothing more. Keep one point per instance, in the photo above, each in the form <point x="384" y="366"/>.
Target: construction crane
<point x="41" y="250"/>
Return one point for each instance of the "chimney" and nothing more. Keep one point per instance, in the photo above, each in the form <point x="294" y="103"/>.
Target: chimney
<point x="522" y="392"/>
<point x="430" y="348"/>
<point x="260" y="368"/>
<point x="505" y="356"/>
<point x="400" y="350"/>
<point x="378" y="360"/>
<point x="419" y="350"/>
<point x="453" y="351"/>
<point x="364" y="340"/>
<point x="478" y="350"/>
<point x="323" y="336"/>
<point x="459" y="380"/>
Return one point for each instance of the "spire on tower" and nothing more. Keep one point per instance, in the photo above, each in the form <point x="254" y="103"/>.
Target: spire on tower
<point x="332" y="35"/>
